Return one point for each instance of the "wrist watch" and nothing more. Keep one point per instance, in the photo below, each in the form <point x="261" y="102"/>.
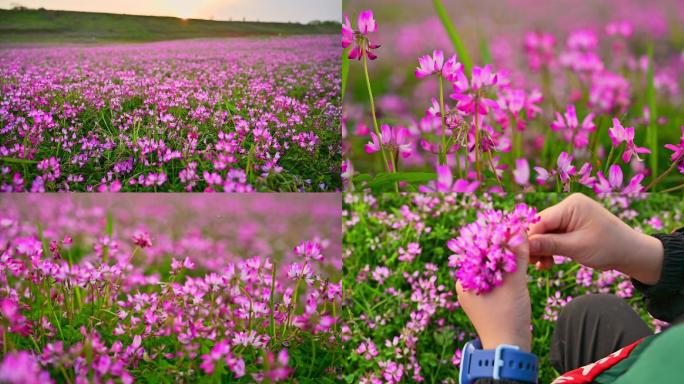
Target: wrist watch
<point x="506" y="362"/>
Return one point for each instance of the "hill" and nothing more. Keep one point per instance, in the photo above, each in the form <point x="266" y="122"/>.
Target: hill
<point x="48" y="26"/>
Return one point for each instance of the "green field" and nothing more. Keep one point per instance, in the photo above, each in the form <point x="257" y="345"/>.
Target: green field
<point x="46" y="26"/>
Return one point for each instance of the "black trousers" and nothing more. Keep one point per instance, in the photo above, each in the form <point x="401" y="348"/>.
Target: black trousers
<point x="591" y="327"/>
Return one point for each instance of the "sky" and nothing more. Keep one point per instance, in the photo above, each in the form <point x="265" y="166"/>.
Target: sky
<point x="301" y="11"/>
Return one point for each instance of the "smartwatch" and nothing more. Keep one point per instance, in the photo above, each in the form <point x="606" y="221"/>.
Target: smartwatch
<point x="506" y="362"/>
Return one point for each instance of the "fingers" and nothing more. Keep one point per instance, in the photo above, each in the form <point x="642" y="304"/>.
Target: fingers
<point x="549" y="244"/>
<point x="550" y="219"/>
<point x="542" y="262"/>
<point x="557" y="217"/>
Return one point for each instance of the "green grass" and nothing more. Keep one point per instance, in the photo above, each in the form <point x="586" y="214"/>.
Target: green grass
<point x="47" y="26"/>
<point x="380" y="228"/>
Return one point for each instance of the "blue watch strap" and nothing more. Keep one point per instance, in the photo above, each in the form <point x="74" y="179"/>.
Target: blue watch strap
<point x="506" y="362"/>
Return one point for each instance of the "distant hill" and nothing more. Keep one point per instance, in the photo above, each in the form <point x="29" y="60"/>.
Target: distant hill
<point x="47" y="26"/>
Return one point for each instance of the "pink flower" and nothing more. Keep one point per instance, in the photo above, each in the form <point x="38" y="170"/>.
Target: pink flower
<point x="366" y="22"/>
<point x="521" y="173"/>
<point x="570" y="128"/>
<point x="359" y="38"/>
<point x="142" y="239"/>
<point x="367" y="349"/>
<point x="445" y="183"/>
<point x="470" y="94"/>
<point x="620" y="28"/>
<point x="584" y="176"/>
<point x="565" y="167"/>
<point x="22" y="368"/>
<point x="543" y="175"/>
<point x="539" y="48"/>
<point x="678" y="149"/>
<point x="309" y="250"/>
<point x="619" y="134"/>
<point x="428" y="65"/>
<point x="277" y="369"/>
<point x="614" y="182"/>
<point x="393" y="138"/>
<point x="483" y="251"/>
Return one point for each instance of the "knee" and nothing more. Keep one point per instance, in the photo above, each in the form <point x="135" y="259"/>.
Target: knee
<point x="596" y="304"/>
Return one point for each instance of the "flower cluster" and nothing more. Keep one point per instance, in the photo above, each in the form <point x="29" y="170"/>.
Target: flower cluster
<point x="485" y="249"/>
<point x="233" y="115"/>
<point x="490" y="120"/>
<point x="402" y="319"/>
<point x="86" y="296"/>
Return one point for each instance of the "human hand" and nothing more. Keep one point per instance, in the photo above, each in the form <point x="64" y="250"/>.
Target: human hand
<point x="503" y="315"/>
<point x="583" y="230"/>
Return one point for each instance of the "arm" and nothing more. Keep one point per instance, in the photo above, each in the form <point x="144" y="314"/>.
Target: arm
<point x="582" y="229"/>
<point x="665" y="298"/>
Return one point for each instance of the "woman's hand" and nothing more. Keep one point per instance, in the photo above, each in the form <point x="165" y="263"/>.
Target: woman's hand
<point x="583" y="230"/>
<point x="503" y="315"/>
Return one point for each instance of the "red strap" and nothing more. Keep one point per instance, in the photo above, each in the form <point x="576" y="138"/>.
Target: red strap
<point x="589" y="372"/>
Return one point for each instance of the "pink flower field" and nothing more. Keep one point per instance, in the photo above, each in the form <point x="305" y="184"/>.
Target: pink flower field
<point x="243" y="114"/>
<point x="172" y="288"/>
<point x="513" y="95"/>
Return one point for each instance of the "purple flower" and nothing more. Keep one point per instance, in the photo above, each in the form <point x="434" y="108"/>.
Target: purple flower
<point x="445" y="183"/>
<point x="565" y="167"/>
<point x="22" y="368"/>
<point x="428" y="65"/>
<point x="483" y="251"/>
<point x="619" y="134"/>
<point x="394" y="138"/>
<point x="614" y="182"/>
<point x="309" y="250"/>
<point x="470" y="94"/>
<point x="521" y="173"/>
<point x="571" y="130"/>
<point x="358" y="39"/>
<point x="678" y="149"/>
<point x="539" y="49"/>
<point x="142" y="239"/>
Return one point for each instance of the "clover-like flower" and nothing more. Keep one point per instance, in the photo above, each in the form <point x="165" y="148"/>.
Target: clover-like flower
<point x="358" y="39"/>
<point x="428" y="65"/>
<point x="483" y="250"/>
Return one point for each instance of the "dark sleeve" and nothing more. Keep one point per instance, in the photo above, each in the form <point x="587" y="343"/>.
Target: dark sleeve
<point x="492" y="381"/>
<point x="665" y="299"/>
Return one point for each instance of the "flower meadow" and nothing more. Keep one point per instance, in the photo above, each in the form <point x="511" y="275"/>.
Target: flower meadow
<point x="169" y="289"/>
<point x="513" y="96"/>
<point x="403" y="253"/>
<point x="230" y="115"/>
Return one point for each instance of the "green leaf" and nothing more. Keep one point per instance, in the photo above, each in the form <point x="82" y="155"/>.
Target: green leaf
<point x="463" y="56"/>
<point x="385" y="181"/>
<point x="652" y="133"/>
<point x="18" y="161"/>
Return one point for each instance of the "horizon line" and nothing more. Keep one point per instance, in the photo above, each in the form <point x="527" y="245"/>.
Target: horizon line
<point x="242" y="20"/>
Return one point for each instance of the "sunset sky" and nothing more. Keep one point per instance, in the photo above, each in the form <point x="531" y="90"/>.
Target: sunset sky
<point x="264" y="10"/>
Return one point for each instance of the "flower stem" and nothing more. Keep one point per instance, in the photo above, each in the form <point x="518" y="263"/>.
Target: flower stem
<point x="608" y="159"/>
<point x="491" y="164"/>
<point x="443" y="149"/>
<point x="272" y="319"/>
<point x="681" y="186"/>
<point x="477" y="142"/>
<point x="664" y="174"/>
<point x="372" y="106"/>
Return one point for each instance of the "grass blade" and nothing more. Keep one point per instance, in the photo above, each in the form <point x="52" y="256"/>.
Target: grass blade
<point x="345" y="72"/>
<point x="463" y="56"/>
<point x="652" y="133"/>
<point x="485" y="52"/>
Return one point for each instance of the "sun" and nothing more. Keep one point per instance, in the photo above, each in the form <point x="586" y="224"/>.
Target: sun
<point x="182" y="9"/>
